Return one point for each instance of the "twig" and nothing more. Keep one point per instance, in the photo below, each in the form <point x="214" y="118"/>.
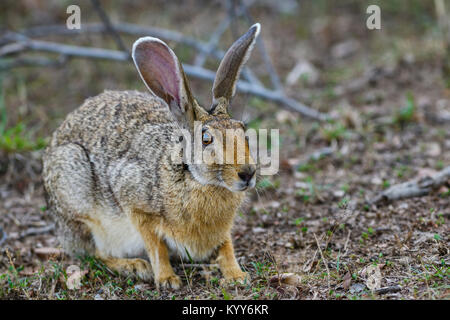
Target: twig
<point x="415" y="188"/>
<point x="3" y="237"/>
<point x="130" y="29"/>
<point x="317" y="155"/>
<point x="109" y="27"/>
<point x="324" y="260"/>
<point x="346" y="243"/>
<point x="267" y="61"/>
<point x="36" y="231"/>
<point x="443" y="19"/>
<point x="201" y="265"/>
<point x="198" y="72"/>
<point x="122" y="27"/>
<point x="385" y="290"/>
<point x="213" y="41"/>
<point x="308" y="268"/>
<point x="212" y="45"/>
<point x="64" y="49"/>
<point x="32" y="62"/>
<point x="232" y="14"/>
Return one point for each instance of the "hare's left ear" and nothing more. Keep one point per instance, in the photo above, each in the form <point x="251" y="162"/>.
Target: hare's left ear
<point x="163" y="75"/>
<point x="230" y="68"/>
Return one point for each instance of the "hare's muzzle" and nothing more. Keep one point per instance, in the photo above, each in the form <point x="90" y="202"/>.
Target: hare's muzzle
<point x="247" y="176"/>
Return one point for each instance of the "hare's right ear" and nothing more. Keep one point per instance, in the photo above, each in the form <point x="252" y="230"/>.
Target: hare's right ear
<point x="230" y="67"/>
<point x="163" y="75"/>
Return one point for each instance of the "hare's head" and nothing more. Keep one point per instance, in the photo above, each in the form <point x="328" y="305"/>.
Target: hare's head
<point x="226" y="159"/>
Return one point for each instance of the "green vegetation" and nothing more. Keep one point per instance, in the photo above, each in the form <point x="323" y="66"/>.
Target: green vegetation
<point x="406" y="114"/>
<point x="16" y="138"/>
<point x="334" y="131"/>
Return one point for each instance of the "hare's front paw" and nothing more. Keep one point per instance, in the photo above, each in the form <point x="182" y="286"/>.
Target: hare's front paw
<point x="236" y="277"/>
<point x="170" y="281"/>
<point x="142" y="269"/>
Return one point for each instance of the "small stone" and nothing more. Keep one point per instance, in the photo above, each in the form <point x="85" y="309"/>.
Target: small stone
<point x="339" y="193"/>
<point x="376" y="181"/>
<point x="433" y="149"/>
<point x="258" y="230"/>
<point x="357" y="288"/>
<point x="303" y="69"/>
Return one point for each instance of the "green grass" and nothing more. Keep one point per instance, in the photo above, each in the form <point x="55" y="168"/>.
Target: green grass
<point x="16" y="138"/>
<point x="334" y="131"/>
<point x="263" y="269"/>
<point x="407" y="113"/>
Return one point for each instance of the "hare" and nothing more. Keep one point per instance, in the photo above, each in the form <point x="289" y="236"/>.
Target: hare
<point x="116" y="193"/>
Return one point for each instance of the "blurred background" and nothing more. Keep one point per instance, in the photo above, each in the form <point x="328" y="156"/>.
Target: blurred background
<point x="370" y="109"/>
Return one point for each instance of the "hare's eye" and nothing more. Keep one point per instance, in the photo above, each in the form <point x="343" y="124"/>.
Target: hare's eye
<point x="207" y="138"/>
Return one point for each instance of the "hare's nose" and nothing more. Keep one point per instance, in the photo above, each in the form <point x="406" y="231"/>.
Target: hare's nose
<point x="247" y="173"/>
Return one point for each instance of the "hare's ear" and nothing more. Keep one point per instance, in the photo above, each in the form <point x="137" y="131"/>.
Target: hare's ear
<point x="229" y="69"/>
<point x="163" y="75"/>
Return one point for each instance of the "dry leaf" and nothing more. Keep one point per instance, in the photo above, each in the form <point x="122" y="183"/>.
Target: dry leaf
<point x="347" y="281"/>
<point x="74" y="277"/>
<point x="290" y="279"/>
<point x="46" y="252"/>
<point x="373" y="277"/>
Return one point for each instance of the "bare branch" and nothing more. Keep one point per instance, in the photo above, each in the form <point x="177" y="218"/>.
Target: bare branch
<point x="324" y="261"/>
<point x="3" y="236"/>
<point x="130" y="29"/>
<point x="36" y="231"/>
<point x="32" y="62"/>
<point x="109" y="27"/>
<point x="213" y="41"/>
<point x="317" y="155"/>
<point x="201" y="265"/>
<point x="415" y="188"/>
<point x="125" y="28"/>
<point x="390" y="289"/>
<point x="217" y="34"/>
<point x="198" y="72"/>
<point x="267" y="61"/>
<point x="64" y="49"/>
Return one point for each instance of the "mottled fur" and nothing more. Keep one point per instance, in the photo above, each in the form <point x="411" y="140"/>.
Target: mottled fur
<point x="116" y="193"/>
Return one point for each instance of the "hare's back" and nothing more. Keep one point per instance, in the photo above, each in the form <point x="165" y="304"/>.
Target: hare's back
<point x="112" y="119"/>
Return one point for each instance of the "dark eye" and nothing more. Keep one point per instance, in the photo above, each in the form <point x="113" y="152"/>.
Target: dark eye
<point x="207" y="138"/>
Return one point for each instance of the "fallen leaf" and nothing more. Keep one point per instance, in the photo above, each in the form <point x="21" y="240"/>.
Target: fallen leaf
<point x="373" y="281"/>
<point x="74" y="276"/>
<point x="347" y="281"/>
<point x="290" y="279"/>
<point x="46" y="252"/>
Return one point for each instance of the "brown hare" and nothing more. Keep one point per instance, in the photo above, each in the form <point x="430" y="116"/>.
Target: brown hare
<point x="114" y="189"/>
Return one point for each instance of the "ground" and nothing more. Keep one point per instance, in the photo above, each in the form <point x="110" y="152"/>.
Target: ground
<point x="308" y="232"/>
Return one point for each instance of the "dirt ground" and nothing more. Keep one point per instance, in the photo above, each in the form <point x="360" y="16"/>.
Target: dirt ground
<point x="308" y="232"/>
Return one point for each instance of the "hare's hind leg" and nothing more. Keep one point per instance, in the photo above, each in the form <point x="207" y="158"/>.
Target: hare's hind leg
<point x="85" y="227"/>
<point x="69" y="187"/>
